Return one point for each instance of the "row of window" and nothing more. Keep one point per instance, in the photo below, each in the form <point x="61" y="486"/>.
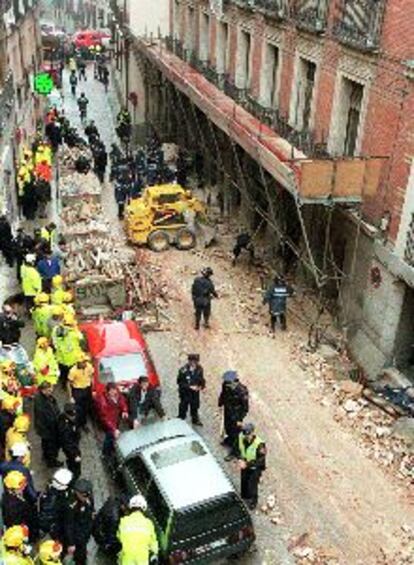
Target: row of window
<point x="350" y="94"/>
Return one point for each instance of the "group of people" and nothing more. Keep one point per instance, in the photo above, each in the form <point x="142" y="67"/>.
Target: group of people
<point x="78" y="69"/>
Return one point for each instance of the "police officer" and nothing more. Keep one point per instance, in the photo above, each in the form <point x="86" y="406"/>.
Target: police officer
<point x="190" y="381"/>
<point x="202" y="291"/>
<point x="252" y="463"/>
<point x="79" y="520"/>
<point x="276" y="296"/>
<point x="69" y="437"/>
<point x="137" y="535"/>
<point x="234" y="399"/>
<point x="106" y="524"/>
<point x="54" y="504"/>
<point x="46" y="414"/>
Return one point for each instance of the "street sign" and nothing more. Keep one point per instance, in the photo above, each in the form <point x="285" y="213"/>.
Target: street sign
<point x="43" y="83"/>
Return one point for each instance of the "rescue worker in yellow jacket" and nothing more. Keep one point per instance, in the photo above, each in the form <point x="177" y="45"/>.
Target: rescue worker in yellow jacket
<point x="44" y="363"/>
<point x="58" y="290"/>
<point x="31" y="280"/>
<point x="41" y="314"/>
<point x="68" y="306"/>
<point x="49" y="234"/>
<point x="43" y="153"/>
<point x="67" y="339"/>
<point x="137" y="536"/>
<point x="50" y="553"/>
<point x="18" y="434"/>
<point x="14" y="546"/>
<point x="252" y="463"/>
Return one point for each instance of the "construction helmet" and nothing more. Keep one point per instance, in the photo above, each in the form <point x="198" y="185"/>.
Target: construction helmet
<point x="57" y="281"/>
<point x="15" y="536"/>
<point x="42" y="342"/>
<point x="10" y="403"/>
<point x="50" y="550"/>
<point x="15" y="480"/>
<point x="138" y="502"/>
<point x="69" y="319"/>
<point x="19" y="449"/>
<point x="58" y="310"/>
<point x="62" y="479"/>
<point x="7" y="365"/>
<point x="67" y="297"/>
<point x="41" y="298"/>
<point x="30" y="258"/>
<point x="22" y="423"/>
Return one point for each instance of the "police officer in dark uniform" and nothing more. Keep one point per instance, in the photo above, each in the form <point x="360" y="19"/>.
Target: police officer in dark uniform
<point x="252" y="463"/>
<point x="276" y="296"/>
<point x="202" y="291"/>
<point x="190" y="381"/>
<point x="69" y="437"/>
<point x="234" y="399"/>
<point x="79" y="521"/>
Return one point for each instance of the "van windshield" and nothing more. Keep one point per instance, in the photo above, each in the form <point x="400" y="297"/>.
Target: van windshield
<point x="212" y="515"/>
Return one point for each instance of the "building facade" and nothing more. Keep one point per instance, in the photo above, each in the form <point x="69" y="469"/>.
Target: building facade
<point x="20" y="110"/>
<point x="303" y="114"/>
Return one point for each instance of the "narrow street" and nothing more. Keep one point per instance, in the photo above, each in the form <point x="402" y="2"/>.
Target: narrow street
<point x="348" y="514"/>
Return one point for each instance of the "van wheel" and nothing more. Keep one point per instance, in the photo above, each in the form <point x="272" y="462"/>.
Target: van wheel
<point x="158" y="241"/>
<point x="185" y="239"/>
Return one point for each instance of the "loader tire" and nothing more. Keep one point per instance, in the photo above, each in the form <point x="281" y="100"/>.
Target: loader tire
<point x="158" y="241"/>
<point x="185" y="239"/>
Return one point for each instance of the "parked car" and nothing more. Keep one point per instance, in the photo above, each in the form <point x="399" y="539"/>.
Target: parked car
<point x="198" y="515"/>
<point x="119" y="354"/>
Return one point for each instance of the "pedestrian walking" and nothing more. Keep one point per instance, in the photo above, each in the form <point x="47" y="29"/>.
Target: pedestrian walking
<point x="54" y="504"/>
<point x="101" y="161"/>
<point x="82" y="70"/>
<point x="276" y="297"/>
<point x="106" y="524"/>
<point x="16" y="508"/>
<point x="73" y="81"/>
<point x="6" y="241"/>
<point x="202" y="291"/>
<point x="243" y="242"/>
<point x="10" y="326"/>
<point x="137" y="535"/>
<point x="121" y="194"/>
<point x="142" y="399"/>
<point x="105" y="77"/>
<point x="190" y="381"/>
<point x="69" y="437"/>
<point x="46" y="414"/>
<point x="234" y="400"/>
<point x="252" y="463"/>
<point x="112" y="408"/>
<point x="83" y="106"/>
<point x="80" y="388"/>
<point x="16" y="549"/>
<point x="78" y="521"/>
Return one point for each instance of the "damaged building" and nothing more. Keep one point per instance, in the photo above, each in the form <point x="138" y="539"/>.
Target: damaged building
<point x="301" y="115"/>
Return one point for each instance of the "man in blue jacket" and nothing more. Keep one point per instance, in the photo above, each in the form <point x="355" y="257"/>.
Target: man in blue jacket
<point x="276" y="296"/>
<point x="48" y="267"/>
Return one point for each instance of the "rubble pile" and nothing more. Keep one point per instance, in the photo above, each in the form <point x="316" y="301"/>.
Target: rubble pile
<point x="106" y="275"/>
<point x="69" y="156"/>
<point x="81" y="185"/>
<point x="375" y="426"/>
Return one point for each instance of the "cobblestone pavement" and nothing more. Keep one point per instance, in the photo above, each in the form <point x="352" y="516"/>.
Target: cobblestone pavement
<point x="326" y="487"/>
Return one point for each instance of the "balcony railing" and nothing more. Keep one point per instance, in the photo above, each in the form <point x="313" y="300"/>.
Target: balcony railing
<point x="303" y="140"/>
<point x="360" y="24"/>
<point x="6" y="104"/>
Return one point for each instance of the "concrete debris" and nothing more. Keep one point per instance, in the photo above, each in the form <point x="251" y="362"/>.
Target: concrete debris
<point x="351" y="406"/>
<point x="403" y="428"/>
<point x="351" y="388"/>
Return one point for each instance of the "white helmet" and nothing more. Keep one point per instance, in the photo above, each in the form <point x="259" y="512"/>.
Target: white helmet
<point x="61" y="479"/>
<point x="138" y="502"/>
<point x="19" y="450"/>
<point x="30" y="258"/>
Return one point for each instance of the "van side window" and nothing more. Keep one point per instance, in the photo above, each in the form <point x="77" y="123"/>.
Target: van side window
<point x="158" y="506"/>
<point x="140" y="473"/>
